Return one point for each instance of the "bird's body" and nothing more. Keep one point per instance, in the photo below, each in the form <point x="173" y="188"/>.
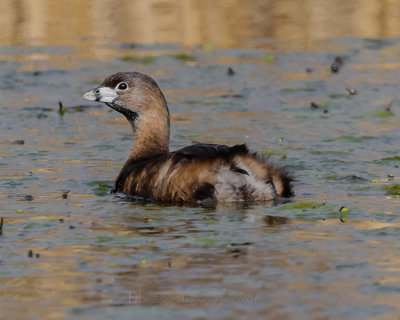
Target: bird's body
<point x="202" y="172"/>
<point x="190" y="175"/>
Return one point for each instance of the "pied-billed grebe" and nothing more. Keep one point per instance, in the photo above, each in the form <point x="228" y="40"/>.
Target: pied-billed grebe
<point x="192" y="174"/>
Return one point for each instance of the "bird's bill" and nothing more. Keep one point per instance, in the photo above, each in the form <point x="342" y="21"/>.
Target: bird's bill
<point x="102" y="94"/>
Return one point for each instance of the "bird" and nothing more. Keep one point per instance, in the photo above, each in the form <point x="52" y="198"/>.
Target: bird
<point x="191" y="175"/>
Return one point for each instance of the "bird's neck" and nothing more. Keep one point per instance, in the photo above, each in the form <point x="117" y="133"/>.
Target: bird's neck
<point x="151" y="133"/>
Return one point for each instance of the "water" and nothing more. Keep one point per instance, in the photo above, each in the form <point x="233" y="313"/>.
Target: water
<point x="70" y="249"/>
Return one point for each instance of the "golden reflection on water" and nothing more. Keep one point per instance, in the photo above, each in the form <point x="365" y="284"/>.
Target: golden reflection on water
<point x="229" y="23"/>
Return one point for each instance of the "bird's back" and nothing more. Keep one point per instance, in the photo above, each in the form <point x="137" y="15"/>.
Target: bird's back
<point x="201" y="172"/>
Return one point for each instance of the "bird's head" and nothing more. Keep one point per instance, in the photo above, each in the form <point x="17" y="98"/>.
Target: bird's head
<point x="131" y="93"/>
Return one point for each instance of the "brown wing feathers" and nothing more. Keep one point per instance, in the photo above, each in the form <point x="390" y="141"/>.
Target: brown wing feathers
<point x="190" y="174"/>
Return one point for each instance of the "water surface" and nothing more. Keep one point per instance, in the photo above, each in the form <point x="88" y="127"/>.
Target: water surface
<point x="70" y="249"/>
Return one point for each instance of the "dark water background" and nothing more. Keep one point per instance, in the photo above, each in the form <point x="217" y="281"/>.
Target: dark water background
<point x="70" y="250"/>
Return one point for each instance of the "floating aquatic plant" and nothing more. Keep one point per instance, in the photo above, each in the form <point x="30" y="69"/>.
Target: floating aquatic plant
<point x="139" y="59"/>
<point x="183" y="57"/>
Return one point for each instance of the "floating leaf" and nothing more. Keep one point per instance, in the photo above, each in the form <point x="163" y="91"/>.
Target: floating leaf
<point x="393" y="190"/>
<point x="383" y="113"/>
<point x="343" y="210"/>
<point x="395" y="158"/>
<point x="269" y="57"/>
<point x="102" y="239"/>
<point x="183" y="57"/>
<point x="337" y="95"/>
<point x="189" y="135"/>
<point x="210" y="222"/>
<point x="298" y="90"/>
<point x="31" y="225"/>
<point x="208" y="48"/>
<point x="139" y="59"/>
<point x="100" y="188"/>
<point x="303" y="205"/>
<point x="206" y="240"/>
<point x="355" y="139"/>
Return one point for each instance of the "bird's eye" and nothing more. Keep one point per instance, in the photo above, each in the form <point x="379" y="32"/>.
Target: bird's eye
<point x="122" y="86"/>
